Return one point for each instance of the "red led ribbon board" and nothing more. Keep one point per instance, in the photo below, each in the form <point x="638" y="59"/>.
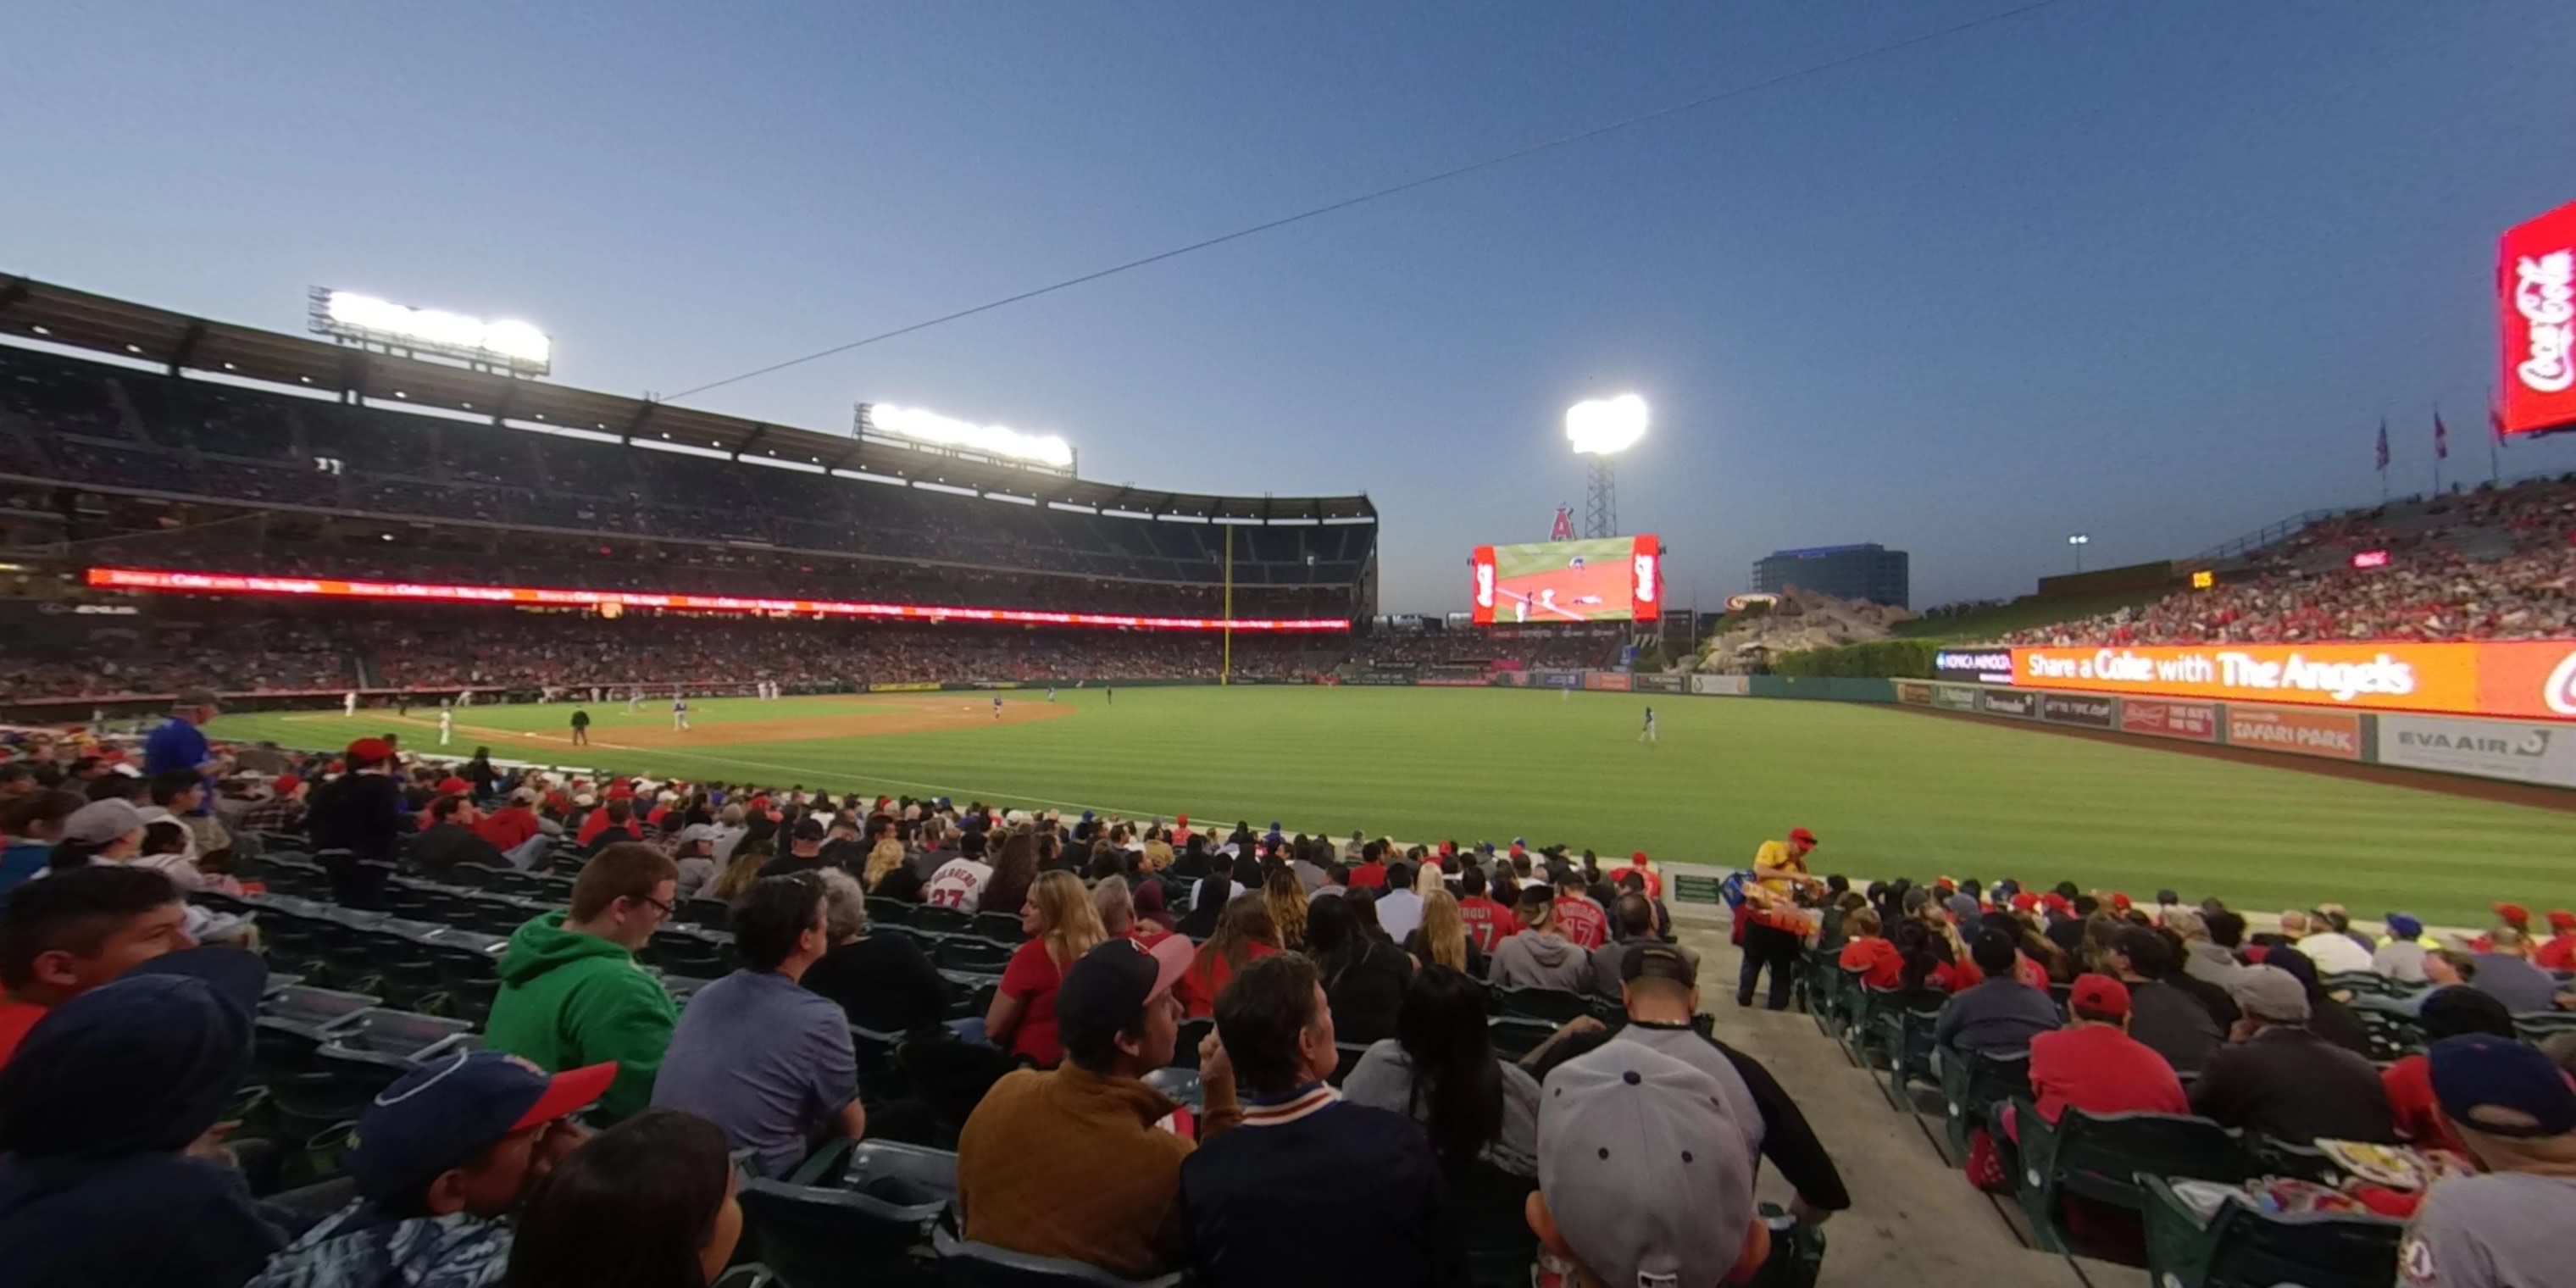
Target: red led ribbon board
<point x="202" y="583"/>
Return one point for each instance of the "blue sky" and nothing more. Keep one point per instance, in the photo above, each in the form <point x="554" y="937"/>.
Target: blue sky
<point x="2149" y="271"/>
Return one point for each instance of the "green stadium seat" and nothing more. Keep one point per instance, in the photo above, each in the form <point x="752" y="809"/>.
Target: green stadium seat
<point x="1515" y="1036"/>
<point x="2101" y="1158"/>
<point x="944" y="921"/>
<point x="1972" y="1085"/>
<point x="980" y="1265"/>
<point x="883" y="911"/>
<point x="853" y="1216"/>
<point x="2241" y="1246"/>
<point x="2272" y="1156"/>
<point x="1797" y="1252"/>
<point x="1905" y="1031"/>
<point x="1000" y="927"/>
<point x="1555" y="1005"/>
<point x="2389" y="1035"/>
<point x="964" y="953"/>
<point x="2543" y="1025"/>
<point x="710" y="913"/>
<point x="1488" y="1207"/>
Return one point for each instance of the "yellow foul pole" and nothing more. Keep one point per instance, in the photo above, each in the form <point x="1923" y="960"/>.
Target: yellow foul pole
<point x="1225" y="673"/>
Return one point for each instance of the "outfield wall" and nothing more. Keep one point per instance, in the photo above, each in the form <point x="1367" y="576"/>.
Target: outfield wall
<point x="2517" y="751"/>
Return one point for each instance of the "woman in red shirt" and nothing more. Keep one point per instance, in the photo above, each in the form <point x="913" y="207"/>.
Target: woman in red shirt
<point x="1243" y="934"/>
<point x="1061" y="925"/>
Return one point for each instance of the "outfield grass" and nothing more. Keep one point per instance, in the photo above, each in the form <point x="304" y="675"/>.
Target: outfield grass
<point x="1890" y="792"/>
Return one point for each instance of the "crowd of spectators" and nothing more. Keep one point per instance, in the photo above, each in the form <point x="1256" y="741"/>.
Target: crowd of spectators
<point x="598" y="1112"/>
<point x="2171" y="1008"/>
<point x="2482" y="565"/>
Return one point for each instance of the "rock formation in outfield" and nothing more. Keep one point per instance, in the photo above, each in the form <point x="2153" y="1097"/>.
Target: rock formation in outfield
<point x="1797" y="619"/>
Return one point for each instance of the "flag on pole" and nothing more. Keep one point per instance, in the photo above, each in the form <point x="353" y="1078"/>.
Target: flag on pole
<point x="2441" y="438"/>
<point x="2495" y="418"/>
<point x="2383" y="445"/>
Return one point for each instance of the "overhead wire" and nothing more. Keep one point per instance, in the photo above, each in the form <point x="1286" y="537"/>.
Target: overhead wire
<point x="1380" y="194"/>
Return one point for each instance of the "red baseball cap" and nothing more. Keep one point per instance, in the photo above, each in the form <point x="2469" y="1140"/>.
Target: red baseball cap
<point x="1638" y="857"/>
<point x="2562" y="919"/>
<point x="454" y="786"/>
<point x="2120" y="901"/>
<point x="285" y="783"/>
<point x="2025" y="902"/>
<point x="620" y="792"/>
<point x="2514" y="914"/>
<point x="369" y="750"/>
<point x="2098" y="997"/>
<point x="1802" y="836"/>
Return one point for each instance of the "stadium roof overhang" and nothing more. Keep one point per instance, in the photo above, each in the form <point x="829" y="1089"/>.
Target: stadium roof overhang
<point x="59" y="315"/>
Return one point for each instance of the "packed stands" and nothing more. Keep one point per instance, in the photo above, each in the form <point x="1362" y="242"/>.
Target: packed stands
<point x="2478" y="565"/>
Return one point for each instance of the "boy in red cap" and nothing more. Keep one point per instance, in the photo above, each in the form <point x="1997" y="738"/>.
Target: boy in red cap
<point x="1645" y="867"/>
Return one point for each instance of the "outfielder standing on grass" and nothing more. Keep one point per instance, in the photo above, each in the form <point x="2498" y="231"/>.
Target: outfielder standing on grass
<point x="1649" y="734"/>
<point x="446" y="724"/>
<point x="679" y="711"/>
<point x="580" y="727"/>
<point x="997" y="706"/>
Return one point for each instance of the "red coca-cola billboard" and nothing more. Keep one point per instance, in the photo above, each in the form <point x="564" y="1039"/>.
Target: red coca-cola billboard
<point x="2536" y="316"/>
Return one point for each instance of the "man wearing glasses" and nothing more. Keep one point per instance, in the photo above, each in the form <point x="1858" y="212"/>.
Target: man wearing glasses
<point x="571" y="993"/>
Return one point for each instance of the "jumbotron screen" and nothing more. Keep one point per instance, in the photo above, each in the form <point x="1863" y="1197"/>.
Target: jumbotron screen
<point x="1606" y="579"/>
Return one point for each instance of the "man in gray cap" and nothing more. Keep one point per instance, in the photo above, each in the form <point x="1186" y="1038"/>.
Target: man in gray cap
<point x="2278" y="1078"/>
<point x="1642" y="1175"/>
<point x="2515" y="1224"/>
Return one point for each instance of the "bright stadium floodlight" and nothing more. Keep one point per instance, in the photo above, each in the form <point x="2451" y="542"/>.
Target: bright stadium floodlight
<point x="366" y="319"/>
<point x="1601" y="428"/>
<point x="947" y="431"/>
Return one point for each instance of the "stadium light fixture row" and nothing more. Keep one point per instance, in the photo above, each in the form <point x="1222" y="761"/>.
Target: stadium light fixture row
<point x="947" y="431"/>
<point x="518" y="345"/>
<point x="1605" y="426"/>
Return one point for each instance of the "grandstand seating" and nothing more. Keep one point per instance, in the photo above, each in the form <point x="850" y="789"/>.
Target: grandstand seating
<point x="481" y="498"/>
<point x="2486" y="564"/>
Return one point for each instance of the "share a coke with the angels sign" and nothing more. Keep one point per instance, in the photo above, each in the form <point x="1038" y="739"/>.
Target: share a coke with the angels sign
<point x="2536" y="317"/>
<point x="2521" y="679"/>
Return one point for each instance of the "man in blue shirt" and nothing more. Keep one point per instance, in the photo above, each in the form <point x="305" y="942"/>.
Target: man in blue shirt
<point x="756" y="1053"/>
<point x="177" y="744"/>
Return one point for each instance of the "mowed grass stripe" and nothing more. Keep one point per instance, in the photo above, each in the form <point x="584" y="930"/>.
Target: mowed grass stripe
<point x="1891" y="791"/>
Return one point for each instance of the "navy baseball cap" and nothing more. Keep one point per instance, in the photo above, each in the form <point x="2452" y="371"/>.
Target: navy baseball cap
<point x="444" y="1112"/>
<point x="2501" y="1087"/>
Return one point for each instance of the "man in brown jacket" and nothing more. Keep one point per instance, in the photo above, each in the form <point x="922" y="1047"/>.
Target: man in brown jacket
<point x="1071" y="1162"/>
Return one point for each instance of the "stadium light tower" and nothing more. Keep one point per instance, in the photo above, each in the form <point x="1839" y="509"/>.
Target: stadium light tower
<point x="2079" y="541"/>
<point x="1600" y="429"/>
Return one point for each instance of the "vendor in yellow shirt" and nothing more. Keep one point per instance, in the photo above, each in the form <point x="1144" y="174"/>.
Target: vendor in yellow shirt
<point x="1772" y="932"/>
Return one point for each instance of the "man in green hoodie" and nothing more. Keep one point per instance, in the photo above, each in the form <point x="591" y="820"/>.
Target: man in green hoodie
<point x="571" y="993"/>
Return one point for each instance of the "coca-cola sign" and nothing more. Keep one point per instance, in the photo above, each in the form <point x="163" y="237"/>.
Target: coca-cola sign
<point x="2536" y="316"/>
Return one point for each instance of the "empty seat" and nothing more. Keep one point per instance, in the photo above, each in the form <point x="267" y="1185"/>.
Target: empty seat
<point x="2100" y="1158"/>
<point x="1000" y="927"/>
<point x="980" y="1265"/>
<point x="853" y="1218"/>
<point x="980" y="956"/>
<point x="946" y="921"/>
<point x="1972" y="1085"/>
<point x="1555" y="1005"/>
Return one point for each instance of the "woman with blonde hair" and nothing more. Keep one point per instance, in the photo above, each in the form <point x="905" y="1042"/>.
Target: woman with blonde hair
<point x="1245" y="933"/>
<point x="1287" y="900"/>
<point x="1061" y="924"/>
<point x="1442" y="938"/>
<point x="884" y="857"/>
<point x="748" y="859"/>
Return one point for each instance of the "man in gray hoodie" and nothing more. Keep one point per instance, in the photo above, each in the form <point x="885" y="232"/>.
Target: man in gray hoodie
<point x="1540" y="956"/>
